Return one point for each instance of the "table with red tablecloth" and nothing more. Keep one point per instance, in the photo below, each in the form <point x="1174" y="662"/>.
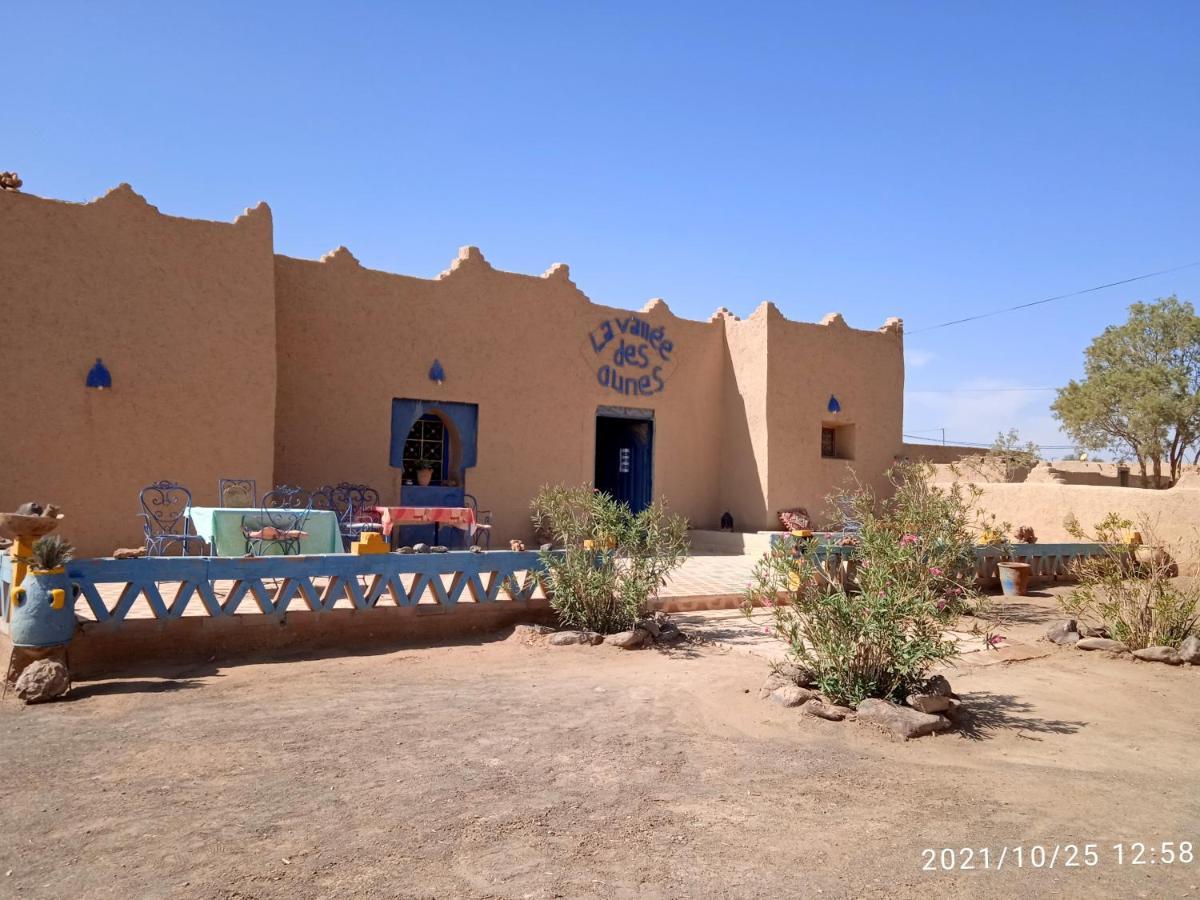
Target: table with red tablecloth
<point x="461" y="517"/>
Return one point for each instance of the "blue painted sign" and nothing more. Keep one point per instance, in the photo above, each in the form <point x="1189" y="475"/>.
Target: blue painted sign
<point x="633" y="355"/>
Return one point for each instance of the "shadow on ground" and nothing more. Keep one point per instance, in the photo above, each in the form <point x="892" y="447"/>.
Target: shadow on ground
<point x="131" y="686"/>
<point x="987" y="713"/>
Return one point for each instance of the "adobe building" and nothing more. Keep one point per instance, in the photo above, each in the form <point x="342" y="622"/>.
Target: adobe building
<point x="229" y="360"/>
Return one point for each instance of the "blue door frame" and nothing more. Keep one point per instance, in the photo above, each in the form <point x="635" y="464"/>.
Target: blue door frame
<point x="625" y="458"/>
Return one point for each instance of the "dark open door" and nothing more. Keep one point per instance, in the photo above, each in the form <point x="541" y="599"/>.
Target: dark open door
<point x="625" y="459"/>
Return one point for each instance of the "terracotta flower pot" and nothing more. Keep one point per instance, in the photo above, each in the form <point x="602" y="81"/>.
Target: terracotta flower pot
<point x="1014" y="578"/>
<point x="424" y="476"/>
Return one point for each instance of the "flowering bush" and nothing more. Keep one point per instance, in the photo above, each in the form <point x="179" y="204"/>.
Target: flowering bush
<point x="914" y="575"/>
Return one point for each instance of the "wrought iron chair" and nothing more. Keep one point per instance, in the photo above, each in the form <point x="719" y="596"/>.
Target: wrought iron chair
<point x="237" y="492"/>
<point x="845" y="508"/>
<point x="279" y="523"/>
<point x="483" y="523"/>
<point x="355" y="507"/>
<point x="322" y="498"/>
<point x="165" y="519"/>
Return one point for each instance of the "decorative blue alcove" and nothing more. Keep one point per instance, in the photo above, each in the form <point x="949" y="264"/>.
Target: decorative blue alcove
<point x="98" y="377"/>
<point x="834" y="406"/>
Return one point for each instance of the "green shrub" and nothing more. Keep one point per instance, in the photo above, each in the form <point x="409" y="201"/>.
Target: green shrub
<point x="611" y="562"/>
<point x="1139" y="601"/>
<point x="915" y="570"/>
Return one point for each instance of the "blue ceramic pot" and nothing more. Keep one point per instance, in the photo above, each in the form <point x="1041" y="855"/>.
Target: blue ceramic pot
<point x="43" y="609"/>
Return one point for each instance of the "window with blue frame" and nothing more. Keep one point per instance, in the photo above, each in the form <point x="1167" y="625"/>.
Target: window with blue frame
<point x="428" y="440"/>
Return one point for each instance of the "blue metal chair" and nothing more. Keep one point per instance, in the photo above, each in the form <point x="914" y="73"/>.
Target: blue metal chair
<point x="483" y="523"/>
<point x="279" y="523"/>
<point x="355" y="507"/>
<point x="165" y="519"/>
<point x="237" y="492"/>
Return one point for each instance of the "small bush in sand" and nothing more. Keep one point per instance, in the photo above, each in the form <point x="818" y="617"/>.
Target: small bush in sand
<point x="612" y="561"/>
<point x="1133" y="590"/>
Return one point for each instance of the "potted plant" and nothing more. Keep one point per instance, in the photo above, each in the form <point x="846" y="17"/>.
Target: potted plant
<point x="43" y="605"/>
<point x="424" y="470"/>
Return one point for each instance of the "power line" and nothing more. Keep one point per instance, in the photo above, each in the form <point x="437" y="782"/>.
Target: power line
<point x="1099" y="287"/>
<point x="959" y="443"/>
<point x="975" y="390"/>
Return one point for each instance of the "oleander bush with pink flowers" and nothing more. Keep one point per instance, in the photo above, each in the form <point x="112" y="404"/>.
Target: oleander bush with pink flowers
<point x="879" y="635"/>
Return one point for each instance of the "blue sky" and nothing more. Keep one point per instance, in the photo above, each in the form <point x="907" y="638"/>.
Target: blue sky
<point x="926" y="160"/>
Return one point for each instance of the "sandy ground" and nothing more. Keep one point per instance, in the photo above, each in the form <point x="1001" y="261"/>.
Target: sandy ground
<point x="501" y="770"/>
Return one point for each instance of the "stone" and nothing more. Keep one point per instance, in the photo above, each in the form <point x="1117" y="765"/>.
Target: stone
<point x="29" y="509"/>
<point x="1099" y="643"/>
<point x="566" y="638"/>
<point x="900" y="721"/>
<point x="546" y="548"/>
<point x="627" y="640"/>
<point x="1168" y="655"/>
<point x="929" y="703"/>
<point x="405" y="549"/>
<point x="516" y="546"/>
<point x="954" y="712"/>
<point x="650" y="627"/>
<point x="669" y="634"/>
<point x="531" y="631"/>
<point x="420" y="548"/>
<point x="773" y="681"/>
<point x="938" y="684"/>
<point x="1189" y="650"/>
<point x="819" y="709"/>
<point x="438" y="548"/>
<point x="475" y="548"/>
<point x="129" y="552"/>
<point x="43" y="680"/>
<point x="1096" y="631"/>
<point x="790" y="695"/>
<point x="1066" y="632"/>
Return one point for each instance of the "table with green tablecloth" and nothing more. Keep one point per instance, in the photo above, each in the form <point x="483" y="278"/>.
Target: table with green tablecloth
<point x="221" y="526"/>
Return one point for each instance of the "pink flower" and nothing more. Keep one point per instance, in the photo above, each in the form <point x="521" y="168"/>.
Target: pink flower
<point x="934" y="570"/>
<point x="995" y="640"/>
<point x="941" y="605"/>
<point x="907" y="539"/>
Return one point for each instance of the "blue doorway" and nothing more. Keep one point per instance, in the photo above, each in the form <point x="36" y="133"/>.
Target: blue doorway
<point x="625" y="457"/>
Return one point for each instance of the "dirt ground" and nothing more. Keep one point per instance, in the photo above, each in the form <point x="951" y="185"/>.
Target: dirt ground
<point x="495" y="769"/>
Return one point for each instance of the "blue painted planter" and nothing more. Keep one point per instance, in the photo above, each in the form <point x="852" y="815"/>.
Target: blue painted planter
<point x="43" y="609"/>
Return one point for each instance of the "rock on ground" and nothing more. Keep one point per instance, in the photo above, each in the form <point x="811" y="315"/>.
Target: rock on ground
<point x="1098" y="643"/>
<point x="43" y="680"/>
<point x="564" y="638"/>
<point x="819" y="709"/>
<point x="1168" y="655"/>
<point x="929" y="703"/>
<point x="900" y="721"/>
<point x="1066" y="632"/>
<point x="650" y="626"/>
<point x="627" y="640"/>
<point x="530" y="632"/>
<point x="1189" y="650"/>
<point x="791" y="695"/>
<point x="938" y="684"/>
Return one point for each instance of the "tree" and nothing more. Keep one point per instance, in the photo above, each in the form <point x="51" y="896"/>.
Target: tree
<point x="1140" y="394"/>
<point x="1010" y="454"/>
